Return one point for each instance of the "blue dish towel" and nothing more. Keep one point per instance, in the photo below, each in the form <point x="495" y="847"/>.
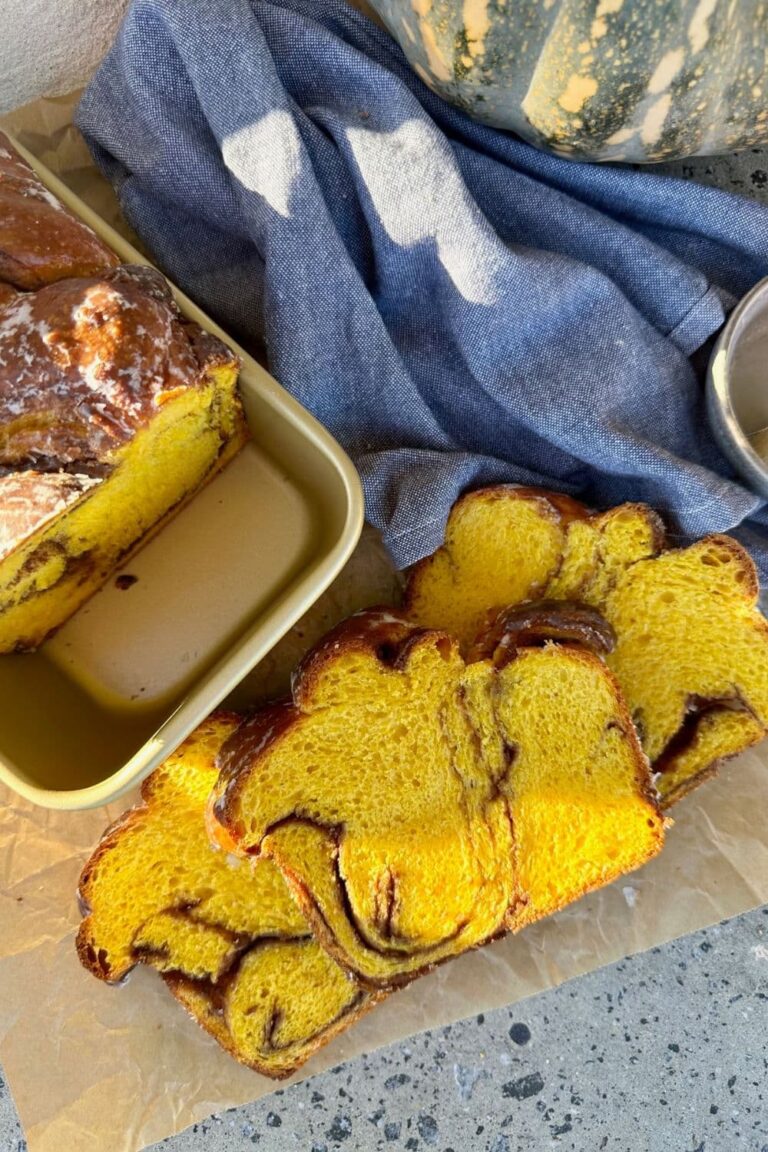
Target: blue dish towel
<point x="456" y="307"/>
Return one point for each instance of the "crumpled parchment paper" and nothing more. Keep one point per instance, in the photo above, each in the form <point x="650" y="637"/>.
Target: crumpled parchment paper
<point x="93" y="1067"/>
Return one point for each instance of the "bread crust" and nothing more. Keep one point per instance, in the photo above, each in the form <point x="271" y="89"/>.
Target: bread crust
<point x="54" y="414"/>
<point x="533" y="622"/>
<point x="40" y="240"/>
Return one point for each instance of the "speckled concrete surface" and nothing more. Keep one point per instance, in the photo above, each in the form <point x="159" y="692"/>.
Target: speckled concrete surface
<point x="665" y="1052"/>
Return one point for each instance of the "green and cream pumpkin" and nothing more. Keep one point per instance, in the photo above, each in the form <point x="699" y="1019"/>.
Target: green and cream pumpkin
<point x="636" y="80"/>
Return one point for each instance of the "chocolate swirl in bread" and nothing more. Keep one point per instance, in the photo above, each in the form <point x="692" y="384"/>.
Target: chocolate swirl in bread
<point x="225" y="934"/>
<point x="419" y="805"/>
<point x="691" y="645"/>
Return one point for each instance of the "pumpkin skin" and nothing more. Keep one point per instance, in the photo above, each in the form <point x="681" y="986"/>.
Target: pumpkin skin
<point x="633" y="80"/>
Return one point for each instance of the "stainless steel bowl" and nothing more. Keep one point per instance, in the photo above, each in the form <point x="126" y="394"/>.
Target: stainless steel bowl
<point x="737" y="389"/>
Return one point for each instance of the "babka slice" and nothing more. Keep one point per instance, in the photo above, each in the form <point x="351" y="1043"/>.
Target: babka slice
<point x="113" y="411"/>
<point x="691" y="651"/>
<point x="40" y="241"/>
<point x="225" y="933"/>
<point x="418" y="805"/>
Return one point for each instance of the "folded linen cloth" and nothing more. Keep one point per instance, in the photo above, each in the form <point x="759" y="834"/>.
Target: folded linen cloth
<point x="457" y="307"/>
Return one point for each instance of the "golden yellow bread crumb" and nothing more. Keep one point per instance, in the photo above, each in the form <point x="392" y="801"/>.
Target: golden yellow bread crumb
<point x="453" y="589"/>
<point x="691" y="652"/>
<point x="113" y="412"/>
<point x="225" y="933"/>
<point x="419" y="805"/>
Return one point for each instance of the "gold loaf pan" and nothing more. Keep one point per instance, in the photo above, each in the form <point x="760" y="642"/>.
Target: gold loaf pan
<point x="127" y="678"/>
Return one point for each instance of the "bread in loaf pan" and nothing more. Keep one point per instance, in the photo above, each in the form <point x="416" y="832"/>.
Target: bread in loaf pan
<point x="691" y="652"/>
<point x="225" y="933"/>
<point x="113" y="411"/>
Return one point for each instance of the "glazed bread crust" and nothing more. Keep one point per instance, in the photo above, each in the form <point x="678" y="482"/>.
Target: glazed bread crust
<point x="40" y="241"/>
<point x="86" y="363"/>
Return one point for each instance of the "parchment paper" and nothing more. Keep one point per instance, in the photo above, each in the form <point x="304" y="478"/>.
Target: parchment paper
<point x="99" y="1069"/>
